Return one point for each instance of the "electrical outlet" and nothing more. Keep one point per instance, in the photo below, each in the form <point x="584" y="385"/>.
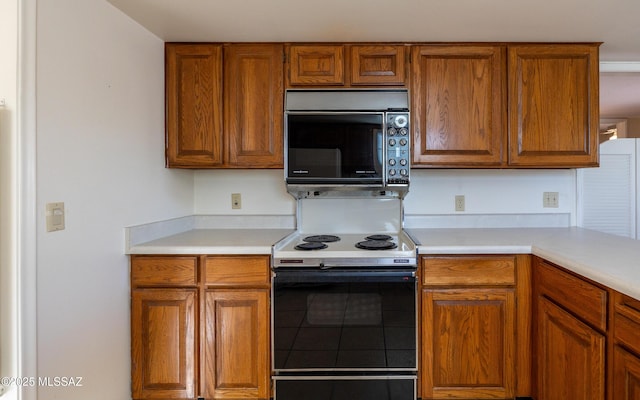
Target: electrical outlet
<point x="236" y="201"/>
<point x="550" y="200"/>
<point x="459" y="203"/>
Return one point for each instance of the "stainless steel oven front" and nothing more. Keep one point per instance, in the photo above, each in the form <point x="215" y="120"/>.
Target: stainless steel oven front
<point x="344" y="333"/>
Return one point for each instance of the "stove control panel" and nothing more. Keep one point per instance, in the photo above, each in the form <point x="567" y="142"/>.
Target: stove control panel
<point x="398" y="141"/>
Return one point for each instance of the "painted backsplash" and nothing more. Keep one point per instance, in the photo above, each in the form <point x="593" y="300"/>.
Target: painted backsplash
<point x="492" y="197"/>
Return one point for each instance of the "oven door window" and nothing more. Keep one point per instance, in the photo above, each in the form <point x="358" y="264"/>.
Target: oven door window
<point x="330" y="147"/>
<point x="346" y="322"/>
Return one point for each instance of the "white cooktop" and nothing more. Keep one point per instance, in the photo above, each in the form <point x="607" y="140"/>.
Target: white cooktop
<point x="344" y="252"/>
<point x="352" y="220"/>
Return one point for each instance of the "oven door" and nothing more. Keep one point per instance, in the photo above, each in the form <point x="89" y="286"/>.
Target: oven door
<point x="344" y="320"/>
<point x="335" y="148"/>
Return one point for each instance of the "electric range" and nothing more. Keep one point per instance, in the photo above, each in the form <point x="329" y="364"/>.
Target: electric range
<point x="343" y="317"/>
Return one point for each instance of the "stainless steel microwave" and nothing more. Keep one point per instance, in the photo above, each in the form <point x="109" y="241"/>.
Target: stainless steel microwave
<point x="347" y="140"/>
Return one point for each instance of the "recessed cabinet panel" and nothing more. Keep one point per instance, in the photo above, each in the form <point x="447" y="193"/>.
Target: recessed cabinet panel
<point x="163" y="342"/>
<point x="254" y="93"/>
<point x="570" y="356"/>
<point x="378" y="65"/>
<point x="458" y="105"/>
<point x="468" y="343"/>
<point x="194" y="105"/>
<point x="626" y="379"/>
<point x="553" y="105"/>
<point x="316" y="65"/>
<point x="236" y="351"/>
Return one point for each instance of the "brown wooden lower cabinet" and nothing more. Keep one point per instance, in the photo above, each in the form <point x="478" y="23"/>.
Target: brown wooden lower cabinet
<point x="570" y="335"/>
<point x="491" y="326"/>
<point x="468" y="341"/>
<point x="474" y="337"/>
<point x="199" y="329"/>
<point x="570" y="356"/>
<point x="163" y="343"/>
<point x="236" y="351"/>
<point x="626" y="349"/>
<point x="626" y="375"/>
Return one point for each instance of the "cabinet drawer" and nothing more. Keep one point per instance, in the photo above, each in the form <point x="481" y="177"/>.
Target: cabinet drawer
<point x="627" y="322"/>
<point x="164" y="271"/>
<point x="237" y="271"/>
<point x="476" y="270"/>
<point x="582" y="298"/>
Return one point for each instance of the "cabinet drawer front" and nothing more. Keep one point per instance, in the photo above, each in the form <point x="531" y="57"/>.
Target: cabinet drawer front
<point x="627" y="322"/>
<point x="576" y="295"/>
<point x="237" y="271"/>
<point x="164" y="271"/>
<point x="477" y="270"/>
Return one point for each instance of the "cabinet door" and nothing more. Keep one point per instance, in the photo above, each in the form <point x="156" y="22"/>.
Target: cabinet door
<point x="193" y="79"/>
<point x="378" y="65"/>
<point x="316" y="65"/>
<point x="163" y="343"/>
<point x="253" y="94"/>
<point x="570" y="356"/>
<point x="236" y="346"/>
<point x="626" y="375"/>
<point x="468" y="343"/>
<point x="458" y="105"/>
<point x="553" y="105"/>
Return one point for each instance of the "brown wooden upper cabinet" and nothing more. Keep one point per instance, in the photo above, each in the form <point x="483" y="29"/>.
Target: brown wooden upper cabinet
<point x="535" y="105"/>
<point x="346" y="65"/>
<point x="193" y="84"/>
<point x="458" y="105"/>
<point x="553" y="105"/>
<point x="473" y="105"/>
<point x="224" y="105"/>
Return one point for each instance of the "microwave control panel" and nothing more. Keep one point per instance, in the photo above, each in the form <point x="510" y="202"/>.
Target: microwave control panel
<point x="398" y="151"/>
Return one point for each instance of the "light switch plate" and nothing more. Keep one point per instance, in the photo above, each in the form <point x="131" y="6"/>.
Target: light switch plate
<point x="55" y="216"/>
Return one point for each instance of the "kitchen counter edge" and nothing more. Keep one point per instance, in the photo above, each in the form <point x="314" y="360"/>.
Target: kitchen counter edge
<point x="611" y="260"/>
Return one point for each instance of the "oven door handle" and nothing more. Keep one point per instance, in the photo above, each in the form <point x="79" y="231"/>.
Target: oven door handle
<point x="332" y="275"/>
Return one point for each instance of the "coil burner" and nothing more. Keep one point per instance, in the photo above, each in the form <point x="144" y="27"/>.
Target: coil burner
<point x="377" y="242"/>
<point x="311" y="246"/>
<point x="322" y="238"/>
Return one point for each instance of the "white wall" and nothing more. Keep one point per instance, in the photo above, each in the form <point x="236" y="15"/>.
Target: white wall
<point x="506" y="191"/>
<point x="100" y="144"/>
<point x="432" y="192"/>
<point x="263" y="192"/>
<point x="8" y="94"/>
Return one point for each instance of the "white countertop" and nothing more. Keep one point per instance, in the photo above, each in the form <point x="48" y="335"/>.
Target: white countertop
<point x="214" y="241"/>
<point x="613" y="261"/>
